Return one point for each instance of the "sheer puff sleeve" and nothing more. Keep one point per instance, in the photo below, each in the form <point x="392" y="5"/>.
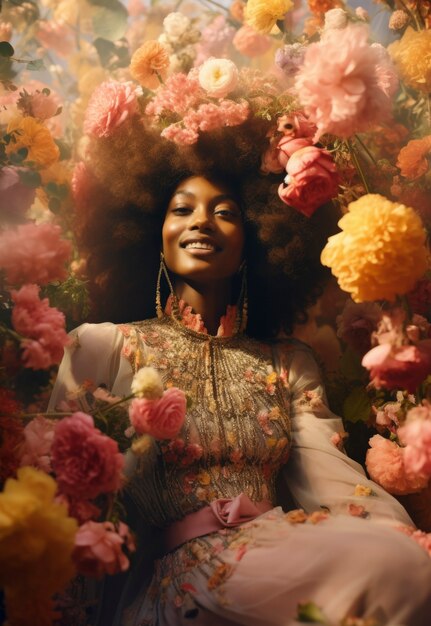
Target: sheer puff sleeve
<point x="319" y="475"/>
<point x="93" y="358"/>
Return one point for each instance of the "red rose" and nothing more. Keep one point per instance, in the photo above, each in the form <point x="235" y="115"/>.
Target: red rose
<point x="312" y="180"/>
<point x="161" y="418"/>
<point x="399" y="368"/>
<point x="86" y="462"/>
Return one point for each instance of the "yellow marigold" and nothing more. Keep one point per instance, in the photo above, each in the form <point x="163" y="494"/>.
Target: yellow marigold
<point x="412" y="159"/>
<point x="36" y="542"/>
<point x="31" y="134"/>
<point x="263" y="14"/>
<point x="412" y="57"/>
<point x="149" y="64"/>
<point x="380" y="252"/>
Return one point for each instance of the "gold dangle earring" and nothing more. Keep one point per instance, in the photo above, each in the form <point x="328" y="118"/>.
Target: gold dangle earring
<point x="163" y="270"/>
<point x="242" y="315"/>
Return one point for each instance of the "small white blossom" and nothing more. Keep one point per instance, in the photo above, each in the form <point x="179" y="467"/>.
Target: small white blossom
<point x="147" y="383"/>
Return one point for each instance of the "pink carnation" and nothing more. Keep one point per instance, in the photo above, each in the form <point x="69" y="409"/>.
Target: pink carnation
<point x="250" y="43"/>
<point x="56" y="36"/>
<point x="179" y="94"/>
<point x="99" y="548"/>
<point x="386" y="465"/>
<point x="342" y="83"/>
<point x="403" y="367"/>
<point x="34" y="253"/>
<point x="38" y="438"/>
<point x="109" y="106"/>
<point x="86" y="461"/>
<point x="16" y="198"/>
<point x="162" y="418"/>
<point x="180" y="135"/>
<point x="41" y="326"/>
<point x="416" y="434"/>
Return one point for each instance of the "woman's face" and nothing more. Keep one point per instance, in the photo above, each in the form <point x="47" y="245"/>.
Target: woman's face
<point x="203" y="233"/>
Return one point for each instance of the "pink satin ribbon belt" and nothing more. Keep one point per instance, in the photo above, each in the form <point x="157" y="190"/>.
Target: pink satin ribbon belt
<point x="221" y="513"/>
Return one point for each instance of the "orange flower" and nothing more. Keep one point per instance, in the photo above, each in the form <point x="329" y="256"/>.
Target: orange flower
<point x="412" y="159"/>
<point x="318" y="7"/>
<point x="35" y="137"/>
<point x="149" y="64"/>
<point x="412" y="57"/>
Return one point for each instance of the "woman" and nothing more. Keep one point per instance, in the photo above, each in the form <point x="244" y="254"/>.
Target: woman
<point x="258" y="433"/>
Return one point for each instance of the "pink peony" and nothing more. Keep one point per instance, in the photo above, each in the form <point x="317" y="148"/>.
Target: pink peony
<point x="109" y="106"/>
<point x="343" y="83"/>
<point x="16" y="198"/>
<point x="416" y="434"/>
<point x="403" y="367"/>
<point x="386" y="465"/>
<point x="41" y="326"/>
<point x="357" y="322"/>
<point x="250" y="43"/>
<point x="99" y="548"/>
<point x="179" y="94"/>
<point x="86" y="461"/>
<point x="38" y="438"/>
<point x="34" y="253"/>
<point x="56" y="36"/>
<point x="162" y="418"/>
<point x="312" y="180"/>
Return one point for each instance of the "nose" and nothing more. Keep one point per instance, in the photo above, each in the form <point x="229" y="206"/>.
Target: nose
<point x="202" y="219"/>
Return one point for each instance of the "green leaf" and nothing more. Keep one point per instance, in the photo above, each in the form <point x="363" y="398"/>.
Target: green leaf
<point x="357" y="406"/>
<point x="6" y="50"/>
<point x="30" y="178"/>
<point x="36" y="65"/>
<point x="311" y="614"/>
<point x="110" y="22"/>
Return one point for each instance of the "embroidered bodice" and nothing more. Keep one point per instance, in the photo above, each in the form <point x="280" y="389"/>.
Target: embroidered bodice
<point x="237" y="429"/>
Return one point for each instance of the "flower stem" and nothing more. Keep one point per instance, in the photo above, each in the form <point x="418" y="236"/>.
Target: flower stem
<point x="370" y="154"/>
<point x="11" y="332"/>
<point x="119" y="402"/>
<point x="217" y="4"/>
<point x="357" y="165"/>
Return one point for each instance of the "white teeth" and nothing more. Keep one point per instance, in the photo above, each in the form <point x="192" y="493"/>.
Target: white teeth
<point x="200" y="245"/>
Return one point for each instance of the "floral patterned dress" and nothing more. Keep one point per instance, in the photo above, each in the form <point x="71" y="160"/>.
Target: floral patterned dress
<point x="259" y="427"/>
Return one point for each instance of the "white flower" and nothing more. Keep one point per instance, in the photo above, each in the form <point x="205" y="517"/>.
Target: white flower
<point x="335" y="18"/>
<point x="147" y="383"/>
<point x="175" y="25"/>
<point x="218" y="77"/>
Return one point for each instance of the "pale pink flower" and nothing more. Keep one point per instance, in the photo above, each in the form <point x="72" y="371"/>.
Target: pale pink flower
<point x="16" y="198"/>
<point x="86" y="462"/>
<point x="362" y="14"/>
<point x="180" y="135"/>
<point x="416" y="434"/>
<point x="387" y="77"/>
<point x="398" y="19"/>
<point x="403" y="367"/>
<point x="44" y="106"/>
<point x="34" y="253"/>
<point x="56" y="37"/>
<point x="388" y="415"/>
<point x="162" y="418"/>
<point x="386" y="465"/>
<point x="358" y="320"/>
<point x="99" y="548"/>
<point x="179" y="94"/>
<point x="250" y="43"/>
<point x="311" y="180"/>
<point x="38" y="438"/>
<point x="109" y="106"/>
<point x="41" y="326"/>
<point x="339" y="84"/>
<point x="215" y="40"/>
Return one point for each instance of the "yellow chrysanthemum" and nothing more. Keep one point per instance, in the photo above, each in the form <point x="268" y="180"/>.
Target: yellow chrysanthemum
<point x="31" y="134"/>
<point x="263" y="14"/>
<point x="380" y="252"/>
<point x="36" y="543"/>
<point x="412" y="57"/>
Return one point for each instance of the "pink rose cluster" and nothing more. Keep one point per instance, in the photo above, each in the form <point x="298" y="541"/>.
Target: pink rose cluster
<point x="416" y="435"/>
<point x="312" y="177"/>
<point x="162" y="418"/>
<point x="109" y="107"/>
<point x="99" y="548"/>
<point x="41" y="326"/>
<point x="34" y="253"/>
<point x="86" y="462"/>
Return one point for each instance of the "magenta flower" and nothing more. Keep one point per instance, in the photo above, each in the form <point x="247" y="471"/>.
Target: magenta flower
<point x="34" y="254"/>
<point x="344" y="83"/>
<point x="41" y="326"/>
<point x="109" y="106"/>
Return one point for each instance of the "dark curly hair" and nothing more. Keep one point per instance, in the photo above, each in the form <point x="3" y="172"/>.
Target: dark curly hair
<point x="133" y="175"/>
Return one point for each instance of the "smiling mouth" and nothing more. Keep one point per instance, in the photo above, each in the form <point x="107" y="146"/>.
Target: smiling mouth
<point x="200" y="245"/>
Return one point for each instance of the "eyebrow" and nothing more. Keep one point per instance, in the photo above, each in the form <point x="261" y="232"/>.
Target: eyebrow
<point x="220" y="198"/>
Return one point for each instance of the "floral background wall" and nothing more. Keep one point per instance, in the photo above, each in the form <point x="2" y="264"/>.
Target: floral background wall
<point x="347" y="81"/>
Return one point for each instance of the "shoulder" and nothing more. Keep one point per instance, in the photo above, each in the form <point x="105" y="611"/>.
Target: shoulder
<point x="93" y="337"/>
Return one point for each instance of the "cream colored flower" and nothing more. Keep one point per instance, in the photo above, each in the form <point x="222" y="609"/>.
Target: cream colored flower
<point x="218" y="77"/>
<point x="149" y="64"/>
<point x="147" y="383"/>
<point x="176" y="25"/>
<point x="335" y="18"/>
<point x="380" y="252"/>
<point x="262" y="15"/>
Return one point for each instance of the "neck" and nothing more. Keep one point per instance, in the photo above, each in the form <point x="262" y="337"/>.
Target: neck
<point x="209" y="300"/>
